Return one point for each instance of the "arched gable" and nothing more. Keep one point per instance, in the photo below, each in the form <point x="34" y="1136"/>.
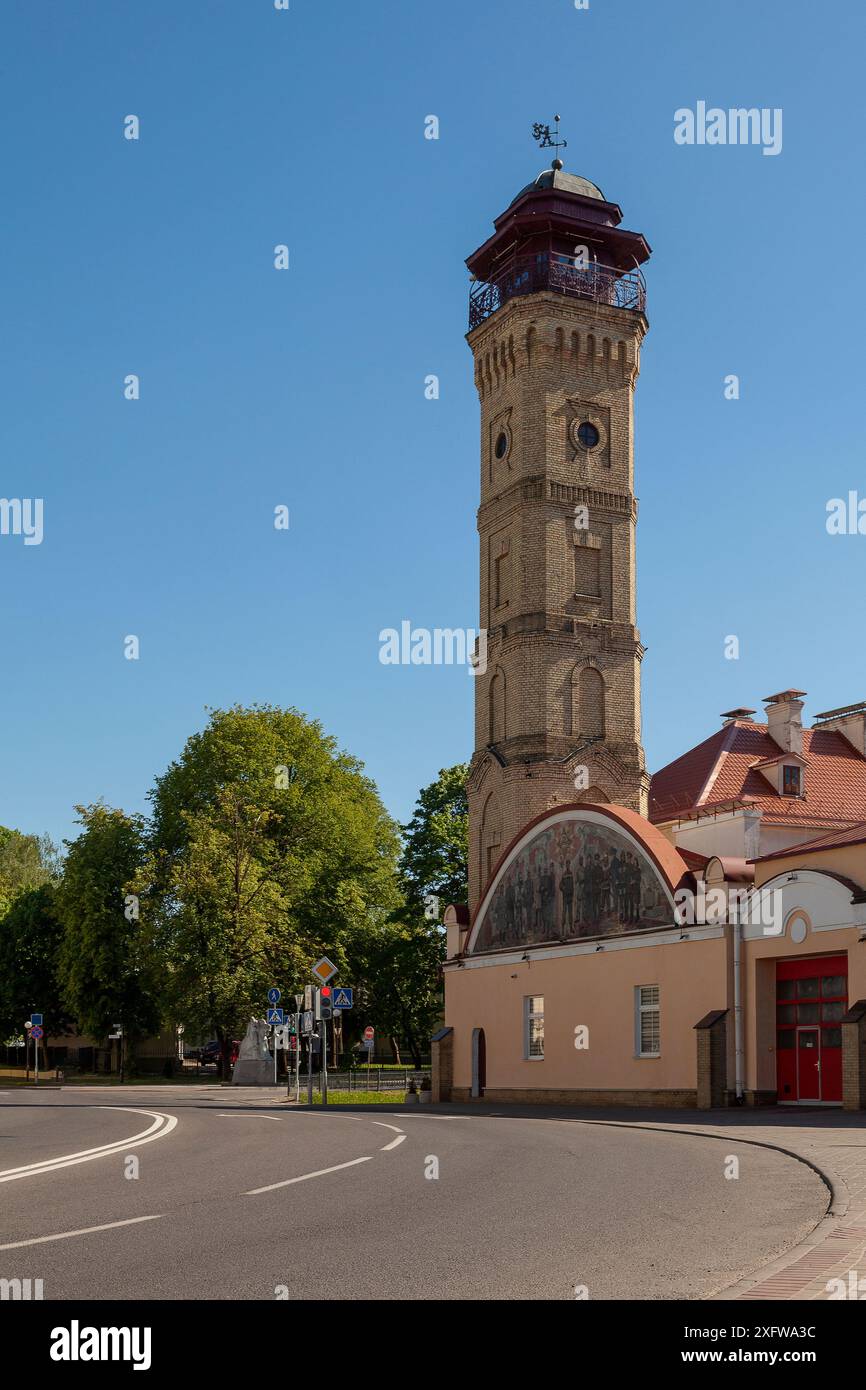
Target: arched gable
<point x="579" y="871"/>
<point x="821" y="897"/>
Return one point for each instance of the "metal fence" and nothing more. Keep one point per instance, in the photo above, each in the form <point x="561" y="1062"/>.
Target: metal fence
<point x="378" y="1079"/>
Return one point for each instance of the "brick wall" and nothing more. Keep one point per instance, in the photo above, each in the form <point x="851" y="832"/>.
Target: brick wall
<point x="563" y="651"/>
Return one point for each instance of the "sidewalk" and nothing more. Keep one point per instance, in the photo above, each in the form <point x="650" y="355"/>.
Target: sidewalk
<point x="833" y="1142"/>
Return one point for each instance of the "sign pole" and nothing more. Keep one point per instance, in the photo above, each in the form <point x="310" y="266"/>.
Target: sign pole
<point x="299" y="1000"/>
<point x="274" y="1037"/>
<point x="309" y="1068"/>
<point x="36" y="1061"/>
<point x="324" y="1048"/>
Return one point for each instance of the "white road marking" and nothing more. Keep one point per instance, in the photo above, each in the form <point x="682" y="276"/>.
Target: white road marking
<point x="85" y="1231"/>
<point x="241" y="1115"/>
<point x="162" y="1124"/>
<point x="384" y="1126"/>
<point x="320" y="1173"/>
<point x="393" y="1144"/>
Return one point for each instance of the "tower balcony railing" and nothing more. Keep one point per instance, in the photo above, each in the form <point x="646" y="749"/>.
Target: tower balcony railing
<point x="601" y="284"/>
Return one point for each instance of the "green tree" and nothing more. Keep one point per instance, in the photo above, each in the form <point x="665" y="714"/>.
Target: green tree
<point x="30" y="937"/>
<point x="269" y="847"/>
<point x="26" y="861"/>
<point x="398" y="966"/>
<point x="104" y="976"/>
<point x="397" y="969"/>
<point x="29" y="933"/>
<point x="435" y="858"/>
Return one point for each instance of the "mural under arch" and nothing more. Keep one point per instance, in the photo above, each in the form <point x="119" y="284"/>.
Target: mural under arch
<point x="575" y="877"/>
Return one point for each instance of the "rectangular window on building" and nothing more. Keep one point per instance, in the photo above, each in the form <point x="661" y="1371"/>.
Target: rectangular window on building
<point x="647" y="1024"/>
<point x="791" y="781"/>
<point x="533" y="1027"/>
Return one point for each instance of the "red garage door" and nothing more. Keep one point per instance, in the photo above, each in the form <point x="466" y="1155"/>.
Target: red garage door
<point x="811" y="997"/>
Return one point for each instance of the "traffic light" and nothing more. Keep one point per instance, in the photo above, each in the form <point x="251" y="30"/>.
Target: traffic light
<point x="324" y="1007"/>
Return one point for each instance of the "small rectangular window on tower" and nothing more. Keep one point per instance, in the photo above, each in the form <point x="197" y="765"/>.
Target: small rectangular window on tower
<point x="587" y="569"/>
<point x="501" y="579"/>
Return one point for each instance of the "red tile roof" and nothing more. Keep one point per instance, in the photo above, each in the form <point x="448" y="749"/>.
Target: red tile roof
<point x="693" y="858"/>
<point x="722" y="769"/>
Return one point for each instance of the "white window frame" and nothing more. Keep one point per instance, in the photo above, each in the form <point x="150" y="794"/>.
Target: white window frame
<point x="528" y="1014"/>
<point x="640" y="1008"/>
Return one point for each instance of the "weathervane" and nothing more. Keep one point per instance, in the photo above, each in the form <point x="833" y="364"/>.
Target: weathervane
<point x="542" y="134"/>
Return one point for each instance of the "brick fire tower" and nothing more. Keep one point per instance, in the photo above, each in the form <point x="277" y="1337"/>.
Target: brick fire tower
<point x="556" y="320"/>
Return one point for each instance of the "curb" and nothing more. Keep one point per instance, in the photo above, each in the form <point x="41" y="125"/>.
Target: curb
<point x="838" y="1206"/>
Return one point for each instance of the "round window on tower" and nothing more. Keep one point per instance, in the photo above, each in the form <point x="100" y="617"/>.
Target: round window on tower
<point x="587" y="435"/>
<point x="500" y="448"/>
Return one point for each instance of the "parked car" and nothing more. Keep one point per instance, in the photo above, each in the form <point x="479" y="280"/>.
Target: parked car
<point x="211" y="1053"/>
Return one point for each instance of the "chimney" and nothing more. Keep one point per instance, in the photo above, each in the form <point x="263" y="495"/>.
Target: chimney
<point x="849" y="720"/>
<point x="784" y="724"/>
<point x="730" y="715"/>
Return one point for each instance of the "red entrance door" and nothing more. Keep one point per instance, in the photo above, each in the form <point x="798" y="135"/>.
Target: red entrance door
<point x="811" y="998"/>
<point x="808" y="1064"/>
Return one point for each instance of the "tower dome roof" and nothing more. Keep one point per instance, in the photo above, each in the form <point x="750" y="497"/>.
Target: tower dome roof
<point x="568" y="183"/>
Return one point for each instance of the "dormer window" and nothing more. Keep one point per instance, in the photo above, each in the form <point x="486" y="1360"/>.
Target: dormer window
<point x="790" y="780"/>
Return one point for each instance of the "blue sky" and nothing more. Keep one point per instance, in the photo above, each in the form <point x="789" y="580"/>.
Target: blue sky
<point x="306" y="387"/>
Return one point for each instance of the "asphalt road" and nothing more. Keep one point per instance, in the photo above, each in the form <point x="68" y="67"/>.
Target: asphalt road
<point x="248" y="1198"/>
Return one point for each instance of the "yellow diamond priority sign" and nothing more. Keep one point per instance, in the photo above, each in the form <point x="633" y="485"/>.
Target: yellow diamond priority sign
<point x="324" y="970"/>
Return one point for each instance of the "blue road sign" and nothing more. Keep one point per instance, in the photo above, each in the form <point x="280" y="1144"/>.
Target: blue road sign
<point x="342" y="997"/>
<point x="276" y="1015"/>
<point x="274" y="995"/>
<point x="36" y="1020"/>
<point x="36" y="1032"/>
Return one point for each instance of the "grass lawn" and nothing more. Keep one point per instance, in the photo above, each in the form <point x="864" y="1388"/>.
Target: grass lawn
<point x="13" y="1077"/>
<point x="357" y="1097"/>
<point x="385" y="1066"/>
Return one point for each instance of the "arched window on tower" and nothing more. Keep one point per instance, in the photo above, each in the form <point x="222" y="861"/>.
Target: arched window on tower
<point x="593" y="796"/>
<point x="497" y="706"/>
<point x="588" y="718"/>
<point x="491" y="839"/>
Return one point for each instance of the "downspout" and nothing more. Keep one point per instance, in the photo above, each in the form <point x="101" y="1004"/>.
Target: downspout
<point x="738" y="1008"/>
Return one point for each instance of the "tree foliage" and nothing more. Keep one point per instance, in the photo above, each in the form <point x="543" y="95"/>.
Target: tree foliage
<point x="30" y="937"/>
<point x="399" y="965"/>
<point x="269" y="847"/>
<point x="104" y="976"/>
<point x="436" y="845"/>
<point x="26" y="861"/>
